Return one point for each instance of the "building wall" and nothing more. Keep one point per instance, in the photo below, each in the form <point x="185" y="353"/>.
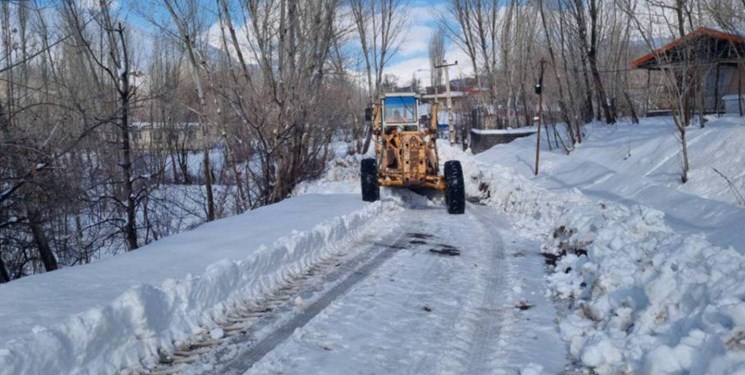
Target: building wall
<point x="727" y="85"/>
<point x="482" y="142"/>
<point x="731" y="89"/>
<point x="149" y="136"/>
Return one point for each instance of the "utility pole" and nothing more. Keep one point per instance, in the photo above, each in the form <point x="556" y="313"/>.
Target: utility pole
<point x="451" y="120"/>
<point x="539" y="91"/>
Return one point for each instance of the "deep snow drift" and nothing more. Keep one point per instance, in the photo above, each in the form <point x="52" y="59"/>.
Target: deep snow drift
<point x="119" y="312"/>
<point x="640" y="164"/>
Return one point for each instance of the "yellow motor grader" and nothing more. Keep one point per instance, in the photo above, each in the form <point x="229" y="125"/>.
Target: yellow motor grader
<point x="406" y="152"/>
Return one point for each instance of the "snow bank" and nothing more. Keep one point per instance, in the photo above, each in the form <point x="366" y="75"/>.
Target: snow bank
<point x="526" y="130"/>
<point x="130" y="331"/>
<point x="642" y="298"/>
<point x="640" y="164"/>
<point x="532" y="208"/>
<point x="342" y="176"/>
<point x="645" y="299"/>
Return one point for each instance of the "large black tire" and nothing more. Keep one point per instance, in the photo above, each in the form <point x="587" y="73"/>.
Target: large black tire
<point x="369" y="180"/>
<point x="455" y="192"/>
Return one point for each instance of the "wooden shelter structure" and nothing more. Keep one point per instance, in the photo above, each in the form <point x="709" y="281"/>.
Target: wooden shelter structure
<point x="715" y="57"/>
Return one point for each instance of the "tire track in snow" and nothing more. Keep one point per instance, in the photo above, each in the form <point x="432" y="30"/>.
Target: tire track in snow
<point x="255" y="315"/>
<point x="423" y="312"/>
<point x="268" y="343"/>
<point x="414" y="301"/>
<point x="490" y="314"/>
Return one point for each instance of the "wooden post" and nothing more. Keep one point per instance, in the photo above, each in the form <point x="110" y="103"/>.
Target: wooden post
<point x="716" y="93"/>
<point x="740" y="72"/>
<point x="539" y="91"/>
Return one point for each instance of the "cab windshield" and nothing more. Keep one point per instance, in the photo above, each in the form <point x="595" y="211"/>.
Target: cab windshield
<point x="399" y="110"/>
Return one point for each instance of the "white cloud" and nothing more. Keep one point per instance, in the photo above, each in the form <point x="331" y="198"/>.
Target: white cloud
<point x="413" y="54"/>
<point x="415" y="40"/>
<point x="403" y="70"/>
<point x="419" y="66"/>
<point x="95" y="4"/>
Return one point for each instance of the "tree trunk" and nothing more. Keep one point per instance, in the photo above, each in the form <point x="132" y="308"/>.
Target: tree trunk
<point x="740" y="72"/>
<point x="701" y="98"/>
<point x="609" y="117"/>
<point x="126" y="164"/>
<point x="589" y="109"/>
<point x="208" y="179"/>
<point x="634" y="116"/>
<point x="40" y="238"/>
<point x="684" y="174"/>
<point x="592" y="56"/>
<point x="203" y="119"/>
<point x="131" y="208"/>
<point x="562" y="103"/>
<point x="716" y="92"/>
<point x="4" y="276"/>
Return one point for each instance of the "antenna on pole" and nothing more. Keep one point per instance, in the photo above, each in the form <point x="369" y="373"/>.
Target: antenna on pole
<point x="539" y="91"/>
<point x="451" y="120"/>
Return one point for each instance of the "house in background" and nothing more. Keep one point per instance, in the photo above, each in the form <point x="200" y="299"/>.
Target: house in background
<point x="718" y="56"/>
<point x="163" y="136"/>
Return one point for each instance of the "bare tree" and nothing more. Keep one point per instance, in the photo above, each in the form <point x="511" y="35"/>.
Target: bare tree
<point x="115" y="65"/>
<point x="379" y="25"/>
<point x="555" y="44"/>
<point x="476" y="31"/>
<point x="184" y="16"/>
<point x="680" y="78"/>
<point x="436" y="57"/>
<point x="589" y="42"/>
<point x="291" y="44"/>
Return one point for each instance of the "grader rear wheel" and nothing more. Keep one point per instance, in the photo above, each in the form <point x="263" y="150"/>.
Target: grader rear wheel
<point x="369" y="180"/>
<point x="455" y="192"/>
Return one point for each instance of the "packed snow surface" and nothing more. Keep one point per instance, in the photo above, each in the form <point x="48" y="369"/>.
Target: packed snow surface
<point x="482" y="311"/>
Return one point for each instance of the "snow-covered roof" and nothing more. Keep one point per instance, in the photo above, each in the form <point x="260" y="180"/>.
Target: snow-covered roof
<point x="733" y="97"/>
<point x="651" y="60"/>
<point x="146" y="124"/>
<point x="442" y="95"/>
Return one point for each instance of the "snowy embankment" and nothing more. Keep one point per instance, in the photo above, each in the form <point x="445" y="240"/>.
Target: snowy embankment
<point x="642" y="296"/>
<point x="640" y="164"/>
<point x="125" y="311"/>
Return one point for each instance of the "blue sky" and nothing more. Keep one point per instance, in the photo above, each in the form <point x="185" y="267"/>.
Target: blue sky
<point x="412" y="56"/>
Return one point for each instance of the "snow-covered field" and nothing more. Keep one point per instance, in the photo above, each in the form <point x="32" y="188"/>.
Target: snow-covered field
<point x="645" y="276"/>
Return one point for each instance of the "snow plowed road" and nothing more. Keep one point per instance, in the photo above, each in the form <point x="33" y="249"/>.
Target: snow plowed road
<point x="426" y="293"/>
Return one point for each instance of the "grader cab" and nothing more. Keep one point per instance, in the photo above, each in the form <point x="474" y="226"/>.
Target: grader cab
<point x="406" y="152"/>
